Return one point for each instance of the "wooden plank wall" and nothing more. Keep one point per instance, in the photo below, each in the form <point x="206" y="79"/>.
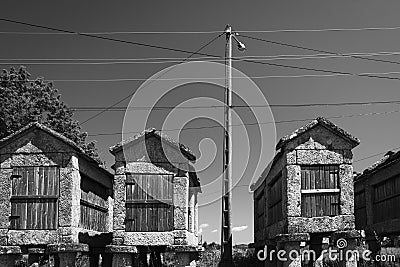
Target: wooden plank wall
<point x="149" y="203"/>
<point x="93" y="212"/>
<point x="319" y="203"/>
<point x="386" y="200"/>
<point x="34" y="197"/>
<point x="360" y="209"/>
<point x="275" y="212"/>
<point x="260" y="217"/>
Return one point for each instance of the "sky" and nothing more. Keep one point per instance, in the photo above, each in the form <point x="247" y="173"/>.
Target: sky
<point x="252" y="144"/>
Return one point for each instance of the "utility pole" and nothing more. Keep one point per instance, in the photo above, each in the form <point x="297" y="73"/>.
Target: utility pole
<point x="226" y="226"/>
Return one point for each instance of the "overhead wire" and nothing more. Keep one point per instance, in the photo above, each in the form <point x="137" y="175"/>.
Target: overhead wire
<point x="256" y="123"/>
<point x="197" y="59"/>
<point x="124" y="108"/>
<point x="195" y="53"/>
<point x="318" y="50"/>
<point x="258" y="57"/>
<point x="209" y="32"/>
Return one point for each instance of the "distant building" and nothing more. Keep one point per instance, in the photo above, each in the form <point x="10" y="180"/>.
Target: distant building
<point x="377" y="197"/>
<point x="51" y="196"/>
<point x="156" y="207"/>
<point x="305" y="195"/>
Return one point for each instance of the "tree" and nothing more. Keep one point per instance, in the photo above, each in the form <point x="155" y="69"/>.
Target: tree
<point x="23" y="101"/>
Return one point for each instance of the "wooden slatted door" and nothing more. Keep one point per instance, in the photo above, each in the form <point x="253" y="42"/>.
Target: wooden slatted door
<point x="320" y="191"/>
<point x="34" y="196"/>
<point x="149" y="203"/>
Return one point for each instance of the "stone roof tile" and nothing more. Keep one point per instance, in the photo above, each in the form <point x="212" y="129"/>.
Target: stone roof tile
<point x="159" y="134"/>
<point x="319" y="120"/>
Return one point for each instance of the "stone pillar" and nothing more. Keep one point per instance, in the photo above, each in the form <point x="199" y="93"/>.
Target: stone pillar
<point x="69" y="202"/>
<point x="346" y="243"/>
<point x="184" y="260"/>
<point x="289" y="245"/>
<point x="191" y="210"/>
<point x="293" y="184"/>
<point x="265" y="256"/>
<point x="110" y="212"/>
<point x="69" y="255"/>
<point x="196" y="215"/>
<point x="9" y="254"/>
<point x="122" y="256"/>
<point x="5" y="206"/>
<point x="119" y="202"/>
<point x="35" y="255"/>
<point x="346" y="189"/>
<point x="181" y="202"/>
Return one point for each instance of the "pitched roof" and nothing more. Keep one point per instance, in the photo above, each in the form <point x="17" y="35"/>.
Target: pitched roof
<point x="153" y="132"/>
<point x="390" y="157"/>
<point x="318" y="121"/>
<point x="36" y="125"/>
<point x="44" y="128"/>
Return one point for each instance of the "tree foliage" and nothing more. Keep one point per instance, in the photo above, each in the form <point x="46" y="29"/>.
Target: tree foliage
<point x="23" y="101"/>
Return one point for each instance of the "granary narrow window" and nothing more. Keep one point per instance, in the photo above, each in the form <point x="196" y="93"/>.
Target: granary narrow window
<point x="34" y="197"/>
<point x="149" y="203"/>
<point x="320" y="191"/>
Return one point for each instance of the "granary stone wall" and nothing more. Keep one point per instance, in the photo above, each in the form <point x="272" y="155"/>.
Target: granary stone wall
<point x="38" y="146"/>
<point x="314" y="153"/>
<point x="381" y="216"/>
<point x="148" y="156"/>
<point x="319" y="148"/>
<point x="181" y="233"/>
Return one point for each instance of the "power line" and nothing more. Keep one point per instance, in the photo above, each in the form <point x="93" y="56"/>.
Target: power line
<point x="208" y="32"/>
<point x="110" y="32"/>
<point x="257" y="57"/>
<point x="336" y="74"/>
<point x="101" y="37"/>
<point x="322" y="30"/>
<point x="185" y="51"/>
<point x="374" y="155"/>
<point x="257" y="123"/>
<point x="236" y="106"/>
<point x="129" y="95"/>
<point x="319" y="50"/>
<point x="197" y="59"/>
<point x="194" y="53"/>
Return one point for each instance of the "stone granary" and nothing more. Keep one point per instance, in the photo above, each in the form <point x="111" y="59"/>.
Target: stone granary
<point x="53" y="199"/>
<point x="377" y="197"/>
<point x="156" y="210"/>
<point x="305" y="195"/>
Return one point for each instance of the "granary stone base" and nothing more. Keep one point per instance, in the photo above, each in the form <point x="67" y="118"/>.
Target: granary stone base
<point x="35" y="254"/>
<point x="351" y="237"/>
<point x="290" y="244"/>
<point x="9" y="254"/>
<point x="122" y="256"/>
<point x="69" y="255"/>
<point x="184" y="255"/>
